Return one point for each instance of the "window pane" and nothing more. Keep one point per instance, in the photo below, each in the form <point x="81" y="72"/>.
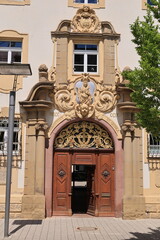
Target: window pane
<point x="92" y="69"/>
<point x="1" y="136"/>
<point x="79" y="46"/>
<point x="78" y="59"/>
<point x="16" y="57"/>
<point x="4" y="43"/>
<point x="16" y="44"/>
<point x="78" y="68"/>
<point x="92" y="59"/>
<point x="79" y="1"/>
<point x="150" y="2"/>
<point x="15" y="141"/>
<point x="92" y="1"/>
<point x="3" y="56"/>
<point x="91" y="47"/>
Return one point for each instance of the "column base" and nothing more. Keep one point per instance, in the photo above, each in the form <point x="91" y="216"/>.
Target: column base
<point x="133" y="207"/>
<point x="33" y="207"/>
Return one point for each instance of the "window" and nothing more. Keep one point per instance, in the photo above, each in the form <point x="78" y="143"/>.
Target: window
<point x="150" y="2"/>
<point x="92" y="3"/>
<point x="154" y="146"/>
<point x="144" y="3"/>
<point x="15" y="2"/>
<point x="85" y="58"/>
<point x="10" y="52"/>
<point x="4" y="136"/>
<point x="87" y="1"/>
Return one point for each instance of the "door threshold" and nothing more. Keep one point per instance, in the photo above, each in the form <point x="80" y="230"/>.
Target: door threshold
<point x="82" y="215"/>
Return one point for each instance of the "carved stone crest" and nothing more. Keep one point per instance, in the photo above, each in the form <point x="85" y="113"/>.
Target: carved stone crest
<point x="84" y="97"/>
<point x="85" y="20"/>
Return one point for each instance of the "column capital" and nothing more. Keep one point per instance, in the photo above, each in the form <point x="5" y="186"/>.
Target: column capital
<point x="41" y="126"/>
<point x="128" y="128"/>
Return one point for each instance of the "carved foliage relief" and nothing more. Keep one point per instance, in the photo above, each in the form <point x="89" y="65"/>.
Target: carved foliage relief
<point x="84" y="97"/>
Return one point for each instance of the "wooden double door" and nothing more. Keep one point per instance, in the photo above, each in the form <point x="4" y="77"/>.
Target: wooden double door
<point x="94" y="192"/>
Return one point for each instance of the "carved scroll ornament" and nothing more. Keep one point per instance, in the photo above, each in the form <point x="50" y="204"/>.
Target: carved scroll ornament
<point x="83" y="135"/>
<point x="85" y="20"/>
<point x="84" y="97"/>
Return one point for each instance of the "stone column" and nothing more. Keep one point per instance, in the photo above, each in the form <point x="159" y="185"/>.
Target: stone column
<point x="40" y="155"/>
<point x="133" y="200"/>
<point x="33" y="200"/>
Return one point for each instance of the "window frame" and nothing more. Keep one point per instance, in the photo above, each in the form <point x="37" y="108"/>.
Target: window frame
<point x="86" y="2"/>
<point x="153" y="149"/>
<point x="10" y="51"/>
<point x="15" y="2"/>
<point x="85" y="53"/>
<point x="99" y="4"/>
<point x="6" y="82"/>
<point x="144" y="2"/>
<point x="4" y="129"/>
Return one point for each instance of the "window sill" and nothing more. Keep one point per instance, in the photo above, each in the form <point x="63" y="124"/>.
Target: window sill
<point x="18" y="3"/>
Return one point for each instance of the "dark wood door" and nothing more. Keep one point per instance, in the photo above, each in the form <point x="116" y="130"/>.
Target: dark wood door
<point x="62" y="184"/>
<point x="91" y="190"/>
<point x="105" y="184"/>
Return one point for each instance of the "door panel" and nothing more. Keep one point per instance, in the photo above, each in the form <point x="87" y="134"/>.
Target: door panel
<point x="91" y="190"/>
<point x="105" y="186"/>
<point x="62" y="184"/>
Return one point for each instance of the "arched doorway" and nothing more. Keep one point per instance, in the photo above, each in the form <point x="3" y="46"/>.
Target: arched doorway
<point x="83" y="171"/>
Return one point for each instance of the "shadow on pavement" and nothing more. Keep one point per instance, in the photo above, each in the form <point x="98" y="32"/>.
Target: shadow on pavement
<point x="23" y="223"/>
<point x="154" y="234"/>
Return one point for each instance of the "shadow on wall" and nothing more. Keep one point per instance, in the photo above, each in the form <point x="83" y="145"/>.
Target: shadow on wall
<point x="153" y="234"/>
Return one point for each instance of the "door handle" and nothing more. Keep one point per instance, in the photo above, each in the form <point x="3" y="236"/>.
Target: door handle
<point x="70" y="194"/>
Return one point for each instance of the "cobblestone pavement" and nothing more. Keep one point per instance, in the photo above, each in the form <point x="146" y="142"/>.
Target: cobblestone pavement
<point x="82" y="228"/>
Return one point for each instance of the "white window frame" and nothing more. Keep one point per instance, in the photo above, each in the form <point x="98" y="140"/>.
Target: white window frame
<point x="153" y="146"/>
<point x="3" y="144"/>
<point x="86" y="2"/>
<point x="10" y="50"/>
<point x="85" y="53"/>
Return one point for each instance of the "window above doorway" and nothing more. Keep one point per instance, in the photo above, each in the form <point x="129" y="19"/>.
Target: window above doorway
<point x="92" y="3"/>
<point x="85" y="58"/>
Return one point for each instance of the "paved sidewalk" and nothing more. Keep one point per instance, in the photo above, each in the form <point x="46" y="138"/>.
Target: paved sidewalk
<point x="82" y="228"/>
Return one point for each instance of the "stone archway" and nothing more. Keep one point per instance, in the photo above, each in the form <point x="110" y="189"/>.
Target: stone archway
<point x="118" y="178"/>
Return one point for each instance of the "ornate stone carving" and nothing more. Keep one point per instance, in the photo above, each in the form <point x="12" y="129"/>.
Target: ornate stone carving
<point x="106" y="98"/>
<point x="41" y="126"/>
<point x="84" y="108"/>
<point x="63" y="99"/>
<point x="118" y="76"/>
<point x="52" y="74"/>
<point x="83" y="135"/>
<point x="83" y="96"/>
<point x="128" y="127"/>
<point x="85" y="20"/>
